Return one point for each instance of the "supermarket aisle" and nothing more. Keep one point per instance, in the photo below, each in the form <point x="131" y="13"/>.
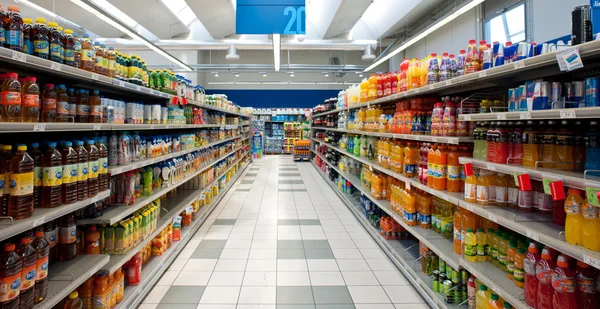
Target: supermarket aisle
<point x="282" y="239"/>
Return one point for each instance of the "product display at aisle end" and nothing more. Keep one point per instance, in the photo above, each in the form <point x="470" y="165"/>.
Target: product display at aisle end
<point x="282" y="128"/>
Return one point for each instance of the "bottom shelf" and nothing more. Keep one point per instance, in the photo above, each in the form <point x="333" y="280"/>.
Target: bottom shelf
<point x="156" y="266"/>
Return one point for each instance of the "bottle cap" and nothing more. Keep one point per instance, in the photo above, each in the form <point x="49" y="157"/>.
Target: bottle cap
<point x="13" y="8"/>
<point x="521" y="251"/>
<point x="21" y="148"/>
<point x="9" y="247"/>
<point x="433" y="55"/>
<point x="469" y="230"/>
<point x="6" y="147"/>
<point x="79" y="143"/>
<point x="25" y="240"/>
<point x="12" y="75"/>
<point x="40" y="20"/>
<point x="96" y="92"/>
<point x="39" y="234"/>
<point x="495" y="297"/>
<point x="507" y="305"/>
<point x="483" y="288"/>
<point x="74" y="295"/>
<point x="102" y="45"/>
<point x="27" y="20"/>
<point x="85" y="35"/>
<point x="111" y="48"/>
<point x="53" y="24"/>
<point x="30" y="79"/>
<point x="68" y="144"/>
<point x="92" y="228"/>
<point x="480" y="229"/>
<point x="562" y="261"/>
<point x="52" y="144"/>
<point x="69" y="31"/>
<point x="35" y="145"/>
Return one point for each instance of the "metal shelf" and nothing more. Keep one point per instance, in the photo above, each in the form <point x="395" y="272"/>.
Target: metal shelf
<point x="64" y="277"/>
<point x="153" y="269"/>
<point x="40" y="216"/>
<point x="563" y="113"/>
<point x="413" y="137"/>
<point x="116" y="170"/>
<point x="117" y="213"/>
<point x="29" y="127"/>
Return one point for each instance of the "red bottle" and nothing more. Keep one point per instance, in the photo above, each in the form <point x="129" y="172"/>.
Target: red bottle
<point x="394" y="77"/>
<point x="531" y="280"/>
<point x="380" y="85"/>
<point x="502" y="143"/>
<point x="491" y="142"/>
<point x="543" y="271"/>
<point x="134" y="270"/>
<point x="387" y="85"/>
<point x="563" y="282"/>
<point x="587" y="298"/>
<point x="403" y="83"/>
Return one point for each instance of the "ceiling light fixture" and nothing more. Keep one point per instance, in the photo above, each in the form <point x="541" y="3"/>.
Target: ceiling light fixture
<point x="86" y="5"/>
<point x="216" y="74"/>
<point x="368" y="54"/>
<point x="360" y="75"/>
<point x="181" y="10"/>
<point x="49" y="13"/>
<point x="292" y="75"/>
<point x="237" y="74"/>
<point x="232" y="53"/>
<point x="264" y="74"/>
<point x="427" y="32"/>
<point x="277" y="50"/>
<point x="326" y="75"/>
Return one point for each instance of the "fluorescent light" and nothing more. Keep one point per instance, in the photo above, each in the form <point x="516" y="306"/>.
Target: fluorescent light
<point x="292" y="75"/>
<point x="360" y="75"/>
<point x="427" y="32"/>
<point x="237" y="75"/>
<point x="181" y="10"/>
<point x="115" y="12"/>
<point x="130" y="33"/>
<point x="47" y="12"/>
<point x="216" y="74"/>
<point x="326" y="75"/>
<point x="277" y="50"/>
<point x="264" y="74"/>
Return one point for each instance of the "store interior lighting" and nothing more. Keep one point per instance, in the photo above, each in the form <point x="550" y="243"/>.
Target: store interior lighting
<point x="277" y="51"/>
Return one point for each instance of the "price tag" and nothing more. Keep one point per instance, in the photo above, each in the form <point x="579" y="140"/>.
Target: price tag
<point x="467" y="117"/>
<point x="39" y="127"/>
<point x="18" y="56"/>
<point x="516" y="178"/>
<point x="567" y="114"/>
<point x="97" y="127"/>
<point x="493" y="218"/>
<point x="407" y="184"/>
<point x="591" y="261"/>
<point x="501" y="116"/>
<point x="533" y="235"/>
<point x="569" y="59"/>
<point x="519" y="64"/>
<point x="482" y="73"/>
<point x="491" y="167"/>
<point x="524" y="182"/>
<point x="449" y="82"/>
<point x="468" y="167"/>
<point x="546" y="182"/>
<point x="95" y="76"/>
<point x="55" y="66"/>
<point x="470" y="207"/>
<point x="138" y="88"/>
<point x="152" y="127"/>
<point x="39" y="221"/>
<point x="592" y="196"/>
<point x="431" y="87"/>
<point x="121" y="84"/>
<point x="525" y="115"/>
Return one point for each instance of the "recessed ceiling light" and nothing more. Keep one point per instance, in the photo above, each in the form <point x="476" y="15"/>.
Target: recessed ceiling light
<point x="292" y="75"/>
<point x="216" y="74"/>
<point x="264" y="74"/>
<point x="360" y="75"/>
<point x="237" y="75"/>
<point x="326" y="75"/>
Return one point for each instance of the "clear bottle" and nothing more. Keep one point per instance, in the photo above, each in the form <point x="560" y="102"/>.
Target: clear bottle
<point x="36" y="154"/>
<point x="52" y="177"/>
<point x="49" y="104"/>
<point x="82" y="171"/>
<point x="69" y="45"/>
<point x="102" y="164"/>
<point x="28" y="273"/>
<point x="20" y="202"/>
<point x="70" y="172"/>
<point x="67" y="240"/>
<point x="112" y="62"/>
<point x="11" y="99"/>
<point x="98" y="58"/>
<point x="30" y="100"/>
<point x="77" y="52"/>
<point x="73" y="302"/>
<point x="42" y="248"/>
<point x="55" y="42"/>
<point x="93" y="168"/>
<point x="95" y="103"/>
<point x="5" y="159"/>
<point x="28" y="36"/>
<point x="10" y="275"/>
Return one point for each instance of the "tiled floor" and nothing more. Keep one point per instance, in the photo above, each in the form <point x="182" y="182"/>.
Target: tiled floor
<point x="282" y="240"/>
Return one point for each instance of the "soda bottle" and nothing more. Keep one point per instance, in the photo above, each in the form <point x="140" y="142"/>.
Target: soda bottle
<point x="531" y="280"/>
<point x="10" y="275"/>
<point x="20" y="202"/>
<point x="372" y="87"/>
<point x="42" y="249"/>
<point x="112" y="62"/>
<point x="93" y="168"/>
<point x="30" y="100"/>
<point x="433" y="70"/>
<point x="587" y="298"/>
<point x="591" y="226"/>
<point x="101" y="298"/>
<point x="69" y="47"/>
<point x="102" y="164"/>
<point x="73" y="302"/>
<point x="55" y="42"/>
<point x="95" y="104"/>
<point x="86" y="292"/>
<point x="410" y="160"/>
<point x="49" y="104"/>
<point x="28" y="36"/>
<point x="82" y="171"/>
<point x="87" y="54"/>
<point x="62" y="104"/>
<point x="481" y="245"/>
<point x="544" y="269"/>
<point x="11" y="99"/>
<point x="70" y="161"/>
<point x="76" y="50"/>
<point x="52" y="177"/>
<point x="28" y="273"/>
<point x="67" y="238"/>
<point x="13" y="26"/>
<point x="41" y="45"/>
<point x="563" y="282"/>
<point x="579" y="145"/>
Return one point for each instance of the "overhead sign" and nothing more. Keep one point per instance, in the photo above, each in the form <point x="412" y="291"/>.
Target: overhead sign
<point x="270" y="16"/>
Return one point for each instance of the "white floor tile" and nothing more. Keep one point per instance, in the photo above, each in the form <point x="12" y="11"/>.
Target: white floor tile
<point x="372" y="253"/>
<point x="359" y="278"/>
<point x="156" y="294"/>
<point x="353" y="264"/>
<point x="261" y="265"/>
<point x="332" y="278"/>
<point x="342" y="243"/>
<point x="220" y="295"/>
<point x="238" y="244"/>
<point x="262" y="254"/>
<point x="260" y="278"/>
<point x="264" y="244"/>
<point x="200" y="264"/>
<point x="386" y="277"/>
<point x="231" y="265"/>
<point x="369" y="295"/>
<point x="178" y="264"/>
<point x="402" y="295"/>
<point x="204" y="306"/>
<point x="228" y="278"/>
<point x="380" y="264"/>
<point x="322" y="265"/>
<point x="374" y="306"/>
<point x="411" y="306"/>
<point x="148" y="306"/>
<point x="168" y="277"/>
<point x="257" y="295"/>
<point x="293" y="278"/>
<point x="346" y="253"/>
<point x="196" y="278"/>
<point x="291" y="265"/>
<point x="235" y="254"/>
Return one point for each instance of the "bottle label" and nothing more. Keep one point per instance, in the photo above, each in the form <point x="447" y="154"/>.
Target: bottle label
<point x="441" y="171"/>
<point x="11" y="98"/>
<point x="562" y="283"/>
<point x="99" y="61"/>
<point x="470" y="191"/>
<point x="589" y="211"/>
<point x="513" y="195"/>
<point x="55" y="50"/>
<point x="30" y="100"/>
<point x="41" y="47"/>
<point x="37" y="176"/>
<point x="41" y="268"/>
<point x="52" y="176"/>
<point x="586" y="284"/>
<point x="67" y="235"/>
<point x="70" y="173"/>
<point x="457" y="234"/>
<point x="494" y="253"/>
<point x="103" y="165"/>
<point x="101" y="301"/>
<point x="2" y="37"/>
<point x="72" y="109"/>
<point x="93" y="169"/>
<point x="21" y="184"/>
<point x="69" y="55"/>
<point x="492" y="193"/>
<point x="483" y="194"/>
<point x="502" y="258"/>
<point x="51" y="237"/>
<point x="510" y="268"/>
<point x="425" y="219"/>
<point x="519" y="274"/>
<point x="83" y="110"/>
<point x="1" y="185"/>
<point x="28" y="276"/>
<point x="543" y="271"/>
<point x="572" y="207"/>
<point x="96" y="110"/>
<point x="488" y="250"/>
<point x="92" y="245"/>
<point x="480" y="249"/>
<point x="501" y="194"/>
<point x="410" y="168"/>
<point x="112" y="65"/>
<point x="82" y="171"/>
<point x="453" y="172"/>
<point x="49" y="103"/>
<point x="62" y="107"/>
<point x="9" y="287"/>
<point x="470" y="250"/>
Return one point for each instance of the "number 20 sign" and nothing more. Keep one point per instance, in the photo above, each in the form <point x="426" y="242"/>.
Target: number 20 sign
<point x="271" y="16"/>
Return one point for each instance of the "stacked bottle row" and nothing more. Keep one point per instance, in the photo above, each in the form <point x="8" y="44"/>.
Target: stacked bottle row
<point x="450" y="283"/>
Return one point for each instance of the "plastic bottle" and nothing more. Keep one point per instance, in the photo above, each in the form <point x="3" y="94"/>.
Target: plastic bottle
<point x="544" y="269"/>
<point x="77" y="52"/>
<point x="441" y="162"/>
<point x="101" y="298"/>
<point x="490" y="237"/>
<point x="42" y="249"/>
<point x="510" y="259"/>
<point x="102" y="164"/>
<point x="82" y="171"/>
<point x="482" y="297"/>
<point x="62" y="104"/>
<point x="445" y="68"/>
<point x="120" y="281"/>
<point x="471" y="188"/>
<point x="95" y="104"/>
<point x="20" y="201"/>
<point x="134" y="270"/>
<point x="86" y="293"/>
<point x="410" y="161"/>
<point x="572" y="204"/>
<point x="431" y="166"/>
<point x="530" y="145"/>
<point x="587" y="296"/>
<point x="574" y="221"/>
<point x="519" y="268"/>
<point x="563" y="281"/>
<point x="30" y="100"/>
<point x="70" y="172"/>
<point x="27" y="36"/>
<point x="481" y="245"/>
<point x="483" y="188"/>
<point x="13" y="28"/>
<point x="93" y="168"/>
<point x="591" y="226"/>
<point x="468" y="220"/>
<point x="49" y="104"/>
<point x="112" y="62"/>
<point x="72" y="105"/>
<point x="52" y="174"/>
<point x="28" y="273"/>
<point x="69" y="48"/>
<point x="10" y="275"/>
<point x="83" y="107"/>
<point x="549" y="147"/>
<point x="67" y="245"/>
<point x="87" y="53"/>
<point x="113" y="291"/>
<point x="36" y="154"/>
<point x="531" y="280"/>
<point x="472" y="58"/>
<point x="11" y="99"/>
<point x="372" y="87"/>
<point x="470" y="246"/>
<point x="55" y="42"/>
<point x="457" y="235"/>
<point x="433" y="70"/>
<point x="41" y="45"/>
<point x="73" y="302"/>
<point x="494" y="302"/>
<point x="92" y="241"/>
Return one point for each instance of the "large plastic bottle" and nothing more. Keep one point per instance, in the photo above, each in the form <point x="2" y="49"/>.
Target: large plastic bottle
<point x="453" y="183"/>
<point x="10" y="275"/>
<point x="372" y="87"/>
<point x="67" y="240"/>
<point x="587" y="296"/>
<point x="36" y="155"/>
<point x="531" y="280"/>
<point x="481" y="245"/>
<point x="93" y="168"/>
<point x="41" y="45"/>
<point x="11" y="99"/>
<point x="28" y="273"/>
<point x="27" y="36"/>
<point x="42" y="249"/>
<point x="82" y="171"/>
<point x="101" y="298"/>
<point x="564" y="284"/>
<point x="482" y="297"/>
<point x="470" y="246"/>
<point x="87" y="53"/>
<point x="591" y="226"/>
<point x="411" y="160"/>
<point x="102" y="164"/>
<point x="52" y="174"/>
<point x="544" y="269"/>
<point x="433" y="70"/>
<point x="95" y="104"/>
<point x="519" y="268"/>
<point x="30" y="100"/>
<point x="62" y="104"/>
<point x="69" y="163"/>
<point x="86" y="293"/>
<point x="49" y="104"/>
<point x="494" y="302"/>
<point x="113" y="291"/>
<point x="441" y="163"/>
<point x="74" y="302"/>
<point x="574" y="221"/>
<point x="549" y="146"/>
<point x="511" y="251"/>
<point x="20" y="202"/>
<point x="572" y="203"/>
<point x="13" y="26"/>
<point x="471" y="188"/>
<point x="120" y="280"/>
<point x="457" y="236"/>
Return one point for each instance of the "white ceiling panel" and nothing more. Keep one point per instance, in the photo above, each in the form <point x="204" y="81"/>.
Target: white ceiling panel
<point x="153" y="16"/>
<point x="346" y="16"/>
<point x="217" y="16"/>
<point x="319" y="14"/>
<point x="380" y="17"/>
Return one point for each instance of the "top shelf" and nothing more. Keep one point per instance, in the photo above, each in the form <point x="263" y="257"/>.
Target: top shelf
<point x="562" y="113"/>
<point x="486" y="78"/>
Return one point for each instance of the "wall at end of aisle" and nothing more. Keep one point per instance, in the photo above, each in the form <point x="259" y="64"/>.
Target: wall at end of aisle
<point x="276" y="98"/>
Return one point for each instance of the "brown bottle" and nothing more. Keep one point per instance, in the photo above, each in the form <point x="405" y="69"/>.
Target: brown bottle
<point x="82" y="171"/>
<point x="83" y="107"/>
<point x="10" y="274"/>
<point x="30" y="100"/>
<point x="67" y="238"/>
<point x="98" y="59"/>
<point x="69" y="163"/>
<point x="11" y="99"/>
<point x="51" y="235"/>
<point x="72" y="105"/>
<point x="20" y="202"/>
<point x="93" y="168"/>
<point x="49" y="104"/>
<point x="102" y="164"/>
<point x="13" y="26"/>
<point x="95" y="103"/>
<point x="52" y="172"/>
<point x="36" y="154"/>
<point x="87" y="53"/>
<point x="28" y="273"/>
<point x="42" y="248"/>
<point x="62" y="104"/>
<point x="5" y="159"/>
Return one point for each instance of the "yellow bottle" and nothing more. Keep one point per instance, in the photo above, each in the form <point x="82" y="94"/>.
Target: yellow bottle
<point x="501" y="187"/>
<point x="502" y="248"/>
<point x="482" y="297"/>
<point x="471" y="189"/>
<point x="591" y="226"/>
<point x="483" y="188"/>
<point x="481" y="245"/>
<point x="470" y="247"/>
<point x="573" y="223"/>
<point x="364" y="91"/>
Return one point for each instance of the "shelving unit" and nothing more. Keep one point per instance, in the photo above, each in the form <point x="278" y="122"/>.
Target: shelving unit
<point x="412" y="137"/>
<point x="31" y="127"/>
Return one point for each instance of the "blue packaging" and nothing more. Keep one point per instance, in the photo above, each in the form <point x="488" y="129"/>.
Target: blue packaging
<point x="520" y="98"/>
<point x="533" y="51"/>
<point x="498" y="51"/>
<point x="591" y="92"/>
<point x="512" y="105"/>
<point x="522" y="51"/>
<point x="578" y="93"/>
<point x="537" y="96"/>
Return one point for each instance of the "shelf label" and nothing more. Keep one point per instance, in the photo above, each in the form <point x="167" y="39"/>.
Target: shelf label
<point x="431" y="87"/>
<point x="39" y="221"/>
<point x="121" y="84"/>
<point x="138" y="88"/>
<point x="469" y="207"/>
<point x="18" y="56"/>
<point x="95" y="76"/>
<point x="519" y="64"/>
<point x="55" y="66"/>
<point x="525" y="115"/>
<point x="39" y="127"/>
<point x="533" y="235"/>
<point x="407" y="184"/>
<point x="97" y="127"/>
<point x="491" y="167"/>
<point x="449" y="82"/>
<point x="524" y="182"/>
<point x="591" y="261"/>
<point x="592" y="196"/>
<point x="493" y="218"/>
<point x="568" y="114"/>
<point x="501" y="116"/>
<point x="482" y="73"/>
<point x="467" y="117"/>
<point x="569" y="59"/>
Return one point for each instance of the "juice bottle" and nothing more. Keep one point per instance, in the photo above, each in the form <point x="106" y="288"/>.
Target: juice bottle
<point x="501" y="187"/>
<point x="42" y="249"/>
<point x="483" y="187"/>
<point x="579" y="145"/>
<point x="380" y="85"/>
<point x="87" y="53"/>
<point x="67" y="245"/>
<point x="565" y="139"/>
<point x="41" y="45"/>
<point x="120" y="279"/>
<point x="544" y="269"/>
<point x="82" y="171"/>
<point x="49" y="104"/>
<point x="54" y="41"/>
<point x="510" y="259"/>
<point x="72" y="105"/>
<point x="587" y="297"/>
<point x="481" y="245"/>
<point x="5" y="170"/>
<point x="472" y="58"/>
<point x="376" y="189"/>
<point x="70" y="173"/>
<point x="93" y="168"/>
<point x="372" y="87"/>
<point x="457" y="237"/>
<point x="92" y="241"/>
<point x="29" y="257"/>
<point x="468" y="220"/>
<point x="482" y="297"/>
<point x="52" y="174"/>
<point x="433" y="70"/>
<point x="30" y="100"/>
<point x="13" y="28"/>
<point x="86" y="292"/>
<point x="453" y="183"/>
<point x="402" y="77"/>
<point x="410" y="161"/>
<point x="69" y="46"/>
<point x="513" y="193"/>
<point x="364" y="91"/>
<point x="62" y="104"/>
<point x="531" y="145"/>
<point x="20" y="201"/>
<point x="134" y="271"/>
<point x="425" y="213"/>
<point x="470" y="246"/>
<point x="564" y="284"/>
<point x="113" y="291"/>
<point x="76" y="50"/>
<point x="95" y="104"/>
<point x="27" y="36"/>
<point x="572" y="204"/>
<point x="531" y="280"/>
<point x="83" y="107"/>
<point x="36" y="155"/>
<point x="10" y="275"/>
<point x="502" y="248"/>
<point x="101" y="298"/>
<point x="102" y="164"/>
<point x="73" y="302"/>
<point x="112" y="62"/>
<point x="98" y="59"/>
<point x="441" y="167"/>
<point x="574" y="222"/>
<point x="591" y="226"/>
<point x="494" y="302"/>
<point x="104" y="61"/>
<point x="471" y="188"/>
<point x="410" y="211"/>
<point x="549" y="153"/>
<point x="11" y="99"/>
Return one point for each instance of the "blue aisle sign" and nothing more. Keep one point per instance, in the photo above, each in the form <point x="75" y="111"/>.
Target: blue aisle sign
<point x="270" y="16"/>
<point x="595" y="15"/>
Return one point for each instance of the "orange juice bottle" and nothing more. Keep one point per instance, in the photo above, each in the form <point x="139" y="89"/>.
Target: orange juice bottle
<point x="112" y="285"/>
<point x="457" y="238"/>
<point x="397" y="157"/>
<point x="468" y="220"/>
<point x="565" y="139"/>
<point x="120" y="279"/>
<point x="510" y="259"/>
<point x="494" y="302"/>
<point x="372" y="87"/>
<point x="453" y="178"/>
<point x="11" y="99"/>
<point x="591" y="226"/>
<point x="441" y="160"/>
<point x="483" y="188"/>
<point x="501" y="187"/>
<point x="409" y="208"/>
<point x="376" y="186"/>
<point x="471" y="188"/>
<point x="431" y="166"/>
<point x="531" y="145"/>
<point x="574" y="220"/>
<point x="86" y="292"/>
<point x="425" y="212"/>
<point x="364" y="91"/>
<point x="411" y="160"/>
<point x="30" y="98"/>
<point x="101" y="298"/>
<point x="92" y="241"/>
<point x="519" y="269"/>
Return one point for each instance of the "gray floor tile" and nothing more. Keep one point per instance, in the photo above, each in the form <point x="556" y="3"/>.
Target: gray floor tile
<point x="343" y="306"/>
<point x="224" y="222"/>
<point x="242" y="190"/>
<point x="309" y="222"/>
<point x="202" y="253"/>
<point x="251" y="174"/>
<point x="247" y="182"/>
<point x="177" y="306"/>
<point x="288" y="174"/>
<point x="332" y="295"/>
<point x="212" y="244"/>
<point x="285" y="182"/>
<point x="291" y="253"/>
<point x="295" y="295"/>
<point x="296" y="307"/>
<point x="183" y="295"/>
<point x="296" y="182"/>
<point x="316" y="244"/>
<point x="288" y="222"/>
<point x="316" y="253"/>
<point x="287" y="244"/>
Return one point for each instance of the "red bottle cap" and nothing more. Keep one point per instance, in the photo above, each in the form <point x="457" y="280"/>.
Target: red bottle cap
<point x="25" y="240"/>
<point x="557" y="190"/>
<point x="433" y="55"/>
<point x="472" y="41"/>
<point x="49" y="86"/>
<point x="562" y="261"/>
<point x="9" y="247"/>
<point x="39" y="234"/>
<point x="445" y="54"/>
<point x="12" y="75"/>
<point x="31" y="79"/>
